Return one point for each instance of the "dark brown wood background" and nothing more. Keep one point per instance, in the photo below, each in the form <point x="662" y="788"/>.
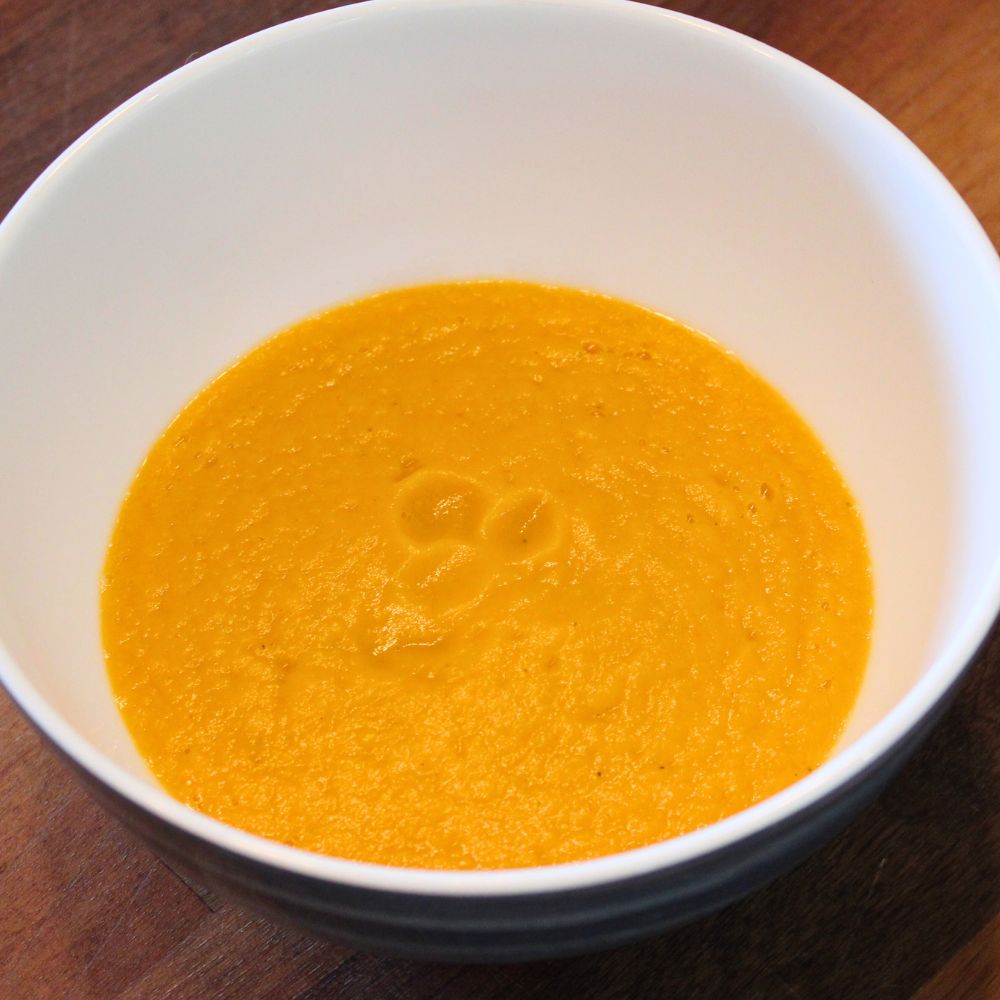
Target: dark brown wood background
<point x="905" y="904"/>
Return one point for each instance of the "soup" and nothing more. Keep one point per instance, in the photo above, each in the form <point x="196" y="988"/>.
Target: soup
<point x="485" y="575"/>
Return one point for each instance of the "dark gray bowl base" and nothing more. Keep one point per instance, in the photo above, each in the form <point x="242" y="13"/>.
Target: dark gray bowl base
<point x="519" y="927"/>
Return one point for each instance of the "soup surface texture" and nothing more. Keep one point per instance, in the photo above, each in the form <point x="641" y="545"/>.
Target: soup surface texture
<point x="481" y="575"/>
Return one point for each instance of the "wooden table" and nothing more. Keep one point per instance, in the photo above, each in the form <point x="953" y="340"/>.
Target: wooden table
<point x="905" y="904"/>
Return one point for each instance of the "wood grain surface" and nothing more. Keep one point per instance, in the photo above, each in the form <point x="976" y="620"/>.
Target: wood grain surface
<point x="904" y="904"/>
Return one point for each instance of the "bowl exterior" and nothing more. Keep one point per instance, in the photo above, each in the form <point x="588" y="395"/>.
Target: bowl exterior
<point x="514" y="928"/>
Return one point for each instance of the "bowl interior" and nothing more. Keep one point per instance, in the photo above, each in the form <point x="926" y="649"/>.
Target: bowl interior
<point x="594" y="144"/>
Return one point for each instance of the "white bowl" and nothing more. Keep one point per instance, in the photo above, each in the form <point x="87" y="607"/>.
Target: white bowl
<point x="589" y="142"/>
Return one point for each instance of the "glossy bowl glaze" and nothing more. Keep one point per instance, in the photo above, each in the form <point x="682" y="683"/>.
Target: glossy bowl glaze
<point x="589" y="142"/>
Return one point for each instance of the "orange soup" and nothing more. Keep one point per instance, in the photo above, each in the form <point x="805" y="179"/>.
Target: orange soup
<point x="484" y="575"/>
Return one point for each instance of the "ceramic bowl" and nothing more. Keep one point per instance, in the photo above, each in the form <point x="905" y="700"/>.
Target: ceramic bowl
<point x="588" y="142"/>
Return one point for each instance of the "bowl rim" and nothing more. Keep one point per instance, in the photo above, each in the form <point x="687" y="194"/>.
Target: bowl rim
<point x="843" y="768"/>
